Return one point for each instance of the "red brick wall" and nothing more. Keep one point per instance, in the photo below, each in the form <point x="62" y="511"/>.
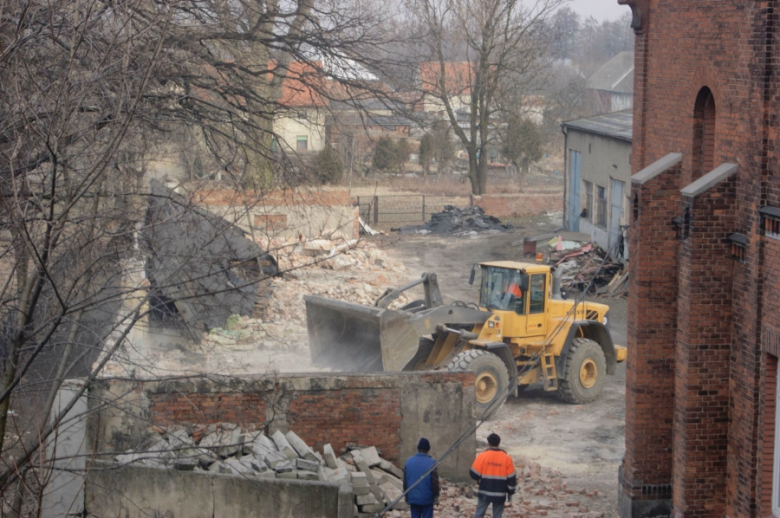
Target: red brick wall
<point x="367" y="417"/>
<point x="247" y="410"/>
<point x="652" y="318"/>
<point x="767" y="443"/>
<point x="730" y="47"/>
<point x="704" y="339"/>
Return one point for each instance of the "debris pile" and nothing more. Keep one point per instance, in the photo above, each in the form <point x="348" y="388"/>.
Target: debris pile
<point x="225" y="448"/>
<point x="582" y="263"/>
<point x="359" y="274"/>
<point x="456" y="222"/>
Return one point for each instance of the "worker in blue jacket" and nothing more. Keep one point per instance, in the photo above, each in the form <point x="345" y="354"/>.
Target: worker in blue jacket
<point x="423" y="496"/>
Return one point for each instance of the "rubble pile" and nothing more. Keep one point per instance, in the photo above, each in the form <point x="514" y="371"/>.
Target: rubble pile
<point x="456" y="222"/>
<point x="225" y="448"/>
<point x="582" y="263"/>
<point x="359" y="274"/>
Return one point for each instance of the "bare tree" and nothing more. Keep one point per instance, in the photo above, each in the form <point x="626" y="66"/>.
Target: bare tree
<point x="89" y="92"/>
<point x="503" y="44"/>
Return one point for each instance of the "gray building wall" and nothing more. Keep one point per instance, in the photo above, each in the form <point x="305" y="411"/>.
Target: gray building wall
<point x="602" y="159"/>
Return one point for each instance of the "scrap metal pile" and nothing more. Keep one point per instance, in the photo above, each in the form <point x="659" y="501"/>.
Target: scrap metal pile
<point x="225" y="448"/>
<point x="456" y="221"/>
<point x="583" y="263"/>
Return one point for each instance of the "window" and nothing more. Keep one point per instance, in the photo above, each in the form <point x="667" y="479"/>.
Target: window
<point x="502" y="289"/>
<point x="704" y="114"/>
<point x="776" y="471"/>
<point x="274" y="145"/>
<point x="300" y="116"/>
<point x="302" y="143"/>
<point x="601" y="215"/>
<point x="537" y="293"/>
<point x="588" y="188"/>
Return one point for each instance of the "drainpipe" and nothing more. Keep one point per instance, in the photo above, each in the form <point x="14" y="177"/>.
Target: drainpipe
<point x="565" y="174"/>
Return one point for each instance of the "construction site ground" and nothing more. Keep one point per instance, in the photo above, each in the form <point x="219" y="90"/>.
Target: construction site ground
<point x="567" y="455"/>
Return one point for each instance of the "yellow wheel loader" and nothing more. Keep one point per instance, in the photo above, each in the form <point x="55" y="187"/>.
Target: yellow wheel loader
<point x="521" y="324"/>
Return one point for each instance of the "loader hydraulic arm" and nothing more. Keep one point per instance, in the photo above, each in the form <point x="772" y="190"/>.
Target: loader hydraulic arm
<point x="430" y="285"/>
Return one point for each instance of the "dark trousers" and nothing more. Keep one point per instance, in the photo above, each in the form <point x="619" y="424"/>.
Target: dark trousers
<point x="422" y="511"/>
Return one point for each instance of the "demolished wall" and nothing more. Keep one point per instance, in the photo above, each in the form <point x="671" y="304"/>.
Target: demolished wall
<point x="513" y="205"/>
<point x="389" y="411"/>
<point x="139" y="492"/>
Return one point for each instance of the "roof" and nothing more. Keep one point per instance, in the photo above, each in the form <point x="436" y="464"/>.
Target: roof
<point x="302" y="85"/>
<point x="457" y="76"/>
<point x="514" y="265"/>
<point x="616" y="75"/>
<point x="357" y="119"/>
<point x="617" y="125"/>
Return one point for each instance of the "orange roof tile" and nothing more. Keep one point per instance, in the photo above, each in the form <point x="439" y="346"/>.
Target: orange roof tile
<point x="457" y="74"/>
<point x="303" y="85"/>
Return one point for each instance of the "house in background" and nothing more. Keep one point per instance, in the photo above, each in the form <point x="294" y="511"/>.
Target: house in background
<point x="612" y="85"/>
<point x="598" y="177"/>
<point x="299" y="124"/>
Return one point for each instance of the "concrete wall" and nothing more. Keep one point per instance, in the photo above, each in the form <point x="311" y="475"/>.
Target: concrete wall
<point x="140" y="492"/>
<point x="389" y="410"/>
<point x="602" y="160"/>
<point x="310" y="213"/>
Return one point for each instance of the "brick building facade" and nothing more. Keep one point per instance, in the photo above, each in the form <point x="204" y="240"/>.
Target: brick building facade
<point x="704" y="299"/>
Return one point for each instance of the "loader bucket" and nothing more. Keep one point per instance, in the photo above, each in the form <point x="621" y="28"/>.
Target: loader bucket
<point x="352" y="337"/>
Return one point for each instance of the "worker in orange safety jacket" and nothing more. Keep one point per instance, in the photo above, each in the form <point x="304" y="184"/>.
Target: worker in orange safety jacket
<point x="495" y="472"/>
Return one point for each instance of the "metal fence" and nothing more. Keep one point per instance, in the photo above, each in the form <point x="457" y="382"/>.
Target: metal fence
<point x="416" y="208"/>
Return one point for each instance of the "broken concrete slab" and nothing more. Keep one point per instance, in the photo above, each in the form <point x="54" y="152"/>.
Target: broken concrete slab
<point x="372" y="508"/>
<point x="273" y="458"/>
<point x="330" y="457"/>
<point x="287" y="474"/>
<point x="371" y="456"/>
<point x="380" y="477"/>
<point x="266" y="474"/>
<point x="362" y="465"/>
<point x="389" y="467"/>
<point x="361" y="490"/>
<point x="221" y="467"/>
<point x="238" y="466"/>
<point x="284" y="445"/>
<point x="254" y="463"/>
<point x="300" y="446"/>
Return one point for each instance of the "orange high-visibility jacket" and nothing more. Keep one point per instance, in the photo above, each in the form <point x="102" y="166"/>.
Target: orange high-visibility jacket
<point x="495" y="472"/>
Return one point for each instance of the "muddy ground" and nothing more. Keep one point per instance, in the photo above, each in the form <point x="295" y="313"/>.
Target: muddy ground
<point x="584" y="443"/>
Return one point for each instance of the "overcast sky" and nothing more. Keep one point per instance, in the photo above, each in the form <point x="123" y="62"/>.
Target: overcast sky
<point x="599" y="9"/>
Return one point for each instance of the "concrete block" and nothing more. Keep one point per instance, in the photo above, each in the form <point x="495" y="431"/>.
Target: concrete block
<point x="345" y="501"/>
<point x="371" y="456"/>
<point x="224" y="443"/>
<point x="390" y="479"/>
<point x="359" y="479"/>
<point x="266" y="474"/>
<point x="257" y="465"/>
<point x="273" y="458"/>
<point x="362" y="465"/>
<point x="366" y="499"/>
<point x="283" y="467"/>
<point x="389" y="467"/>
<point x="300" y="447"/>
<point x="283" y="445"/>
<point x="361" y="490"/>
<point x="372" y="508"/>
<point x="221" y="467"/>
<point x="330" y="457"/>
<point x="306" y="465"/>
<point x="266" y="442"/>
<point x="288" y="475"/>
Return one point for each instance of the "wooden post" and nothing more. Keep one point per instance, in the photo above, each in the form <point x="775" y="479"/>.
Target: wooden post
<point x="376" y="210"/>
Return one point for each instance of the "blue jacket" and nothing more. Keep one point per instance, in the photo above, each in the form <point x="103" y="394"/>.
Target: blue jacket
<point x="424" y="492"/>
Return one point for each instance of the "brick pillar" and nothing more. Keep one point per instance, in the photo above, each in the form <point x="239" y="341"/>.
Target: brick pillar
<point x="704" y="337"/>
<point x="646" y="474"/>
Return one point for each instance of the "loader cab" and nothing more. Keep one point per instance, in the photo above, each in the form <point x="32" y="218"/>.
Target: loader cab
<point x="518" y="294"/>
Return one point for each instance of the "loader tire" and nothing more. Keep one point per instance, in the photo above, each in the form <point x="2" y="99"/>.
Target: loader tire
<point x="491" y="377"/>
<point x="423" y="351"/>
<point x="586" y="370"/>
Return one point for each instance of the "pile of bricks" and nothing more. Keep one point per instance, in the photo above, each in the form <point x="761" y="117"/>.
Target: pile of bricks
<point x="225" y="448"/>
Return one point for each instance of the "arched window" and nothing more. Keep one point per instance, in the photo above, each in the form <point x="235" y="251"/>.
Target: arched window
<point x="703" y="133"/>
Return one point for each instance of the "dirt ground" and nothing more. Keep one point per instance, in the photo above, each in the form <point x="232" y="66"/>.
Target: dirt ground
<point x="578" y="447"/>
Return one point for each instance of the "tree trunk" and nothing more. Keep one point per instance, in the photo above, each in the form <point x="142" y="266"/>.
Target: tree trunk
<point x="474" y="173"/>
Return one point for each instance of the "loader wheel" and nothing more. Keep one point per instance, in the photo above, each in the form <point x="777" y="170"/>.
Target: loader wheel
<point x="586" y="369"/>
<point x="423" y="351"/>
<point x="491" y="377"/>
